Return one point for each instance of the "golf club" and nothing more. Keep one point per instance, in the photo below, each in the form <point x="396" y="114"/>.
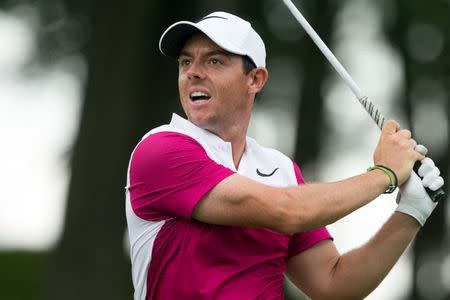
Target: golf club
<point x="374" y="113"/>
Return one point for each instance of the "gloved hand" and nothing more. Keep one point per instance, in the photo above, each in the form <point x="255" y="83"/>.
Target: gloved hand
<point x="412" y="199"/>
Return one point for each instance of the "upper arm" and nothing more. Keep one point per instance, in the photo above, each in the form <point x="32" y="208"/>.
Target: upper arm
<point x="311" y="270"/>
<point x="169" y="173"/>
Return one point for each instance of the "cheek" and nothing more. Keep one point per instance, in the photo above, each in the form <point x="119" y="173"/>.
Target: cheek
<point x="234" y="84"/>
<point x="180" y="81"/>
<point x="181" y="85"/>
<point x="237" y="88"/>
<point x="182" y="91"/>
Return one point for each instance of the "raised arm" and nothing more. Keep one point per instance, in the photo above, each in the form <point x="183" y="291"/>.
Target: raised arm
<point x="240" y="201"/>
<point x="323" y="273"/>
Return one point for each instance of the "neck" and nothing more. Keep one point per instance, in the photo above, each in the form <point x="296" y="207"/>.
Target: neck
<point x="236" y="134"/>
<point x="238" y="149"/>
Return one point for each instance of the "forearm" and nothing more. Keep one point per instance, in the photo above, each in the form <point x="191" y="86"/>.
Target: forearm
<point x="314" y="205"/>
<point x="239" y="201"/>
<point x="368" y="265"/>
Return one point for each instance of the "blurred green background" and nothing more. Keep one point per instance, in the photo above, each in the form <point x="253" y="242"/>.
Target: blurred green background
<point x="81" y="82"/>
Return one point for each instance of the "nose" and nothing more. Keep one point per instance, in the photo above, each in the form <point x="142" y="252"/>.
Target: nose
<point x="195" y="71"/>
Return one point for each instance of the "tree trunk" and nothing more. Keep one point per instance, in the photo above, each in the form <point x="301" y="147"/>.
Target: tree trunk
<point x="310" y="118"/>
<point x="130" y="89"/>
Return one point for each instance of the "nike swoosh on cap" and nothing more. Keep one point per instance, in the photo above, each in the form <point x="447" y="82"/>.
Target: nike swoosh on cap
<point x="265" y="175"/>
<point x="212" y="17"/>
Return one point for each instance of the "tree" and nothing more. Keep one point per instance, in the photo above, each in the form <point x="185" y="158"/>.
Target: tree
<point x="127" y="92"/>
<point x="428" y="244"/>
<point x="310" y="115"/>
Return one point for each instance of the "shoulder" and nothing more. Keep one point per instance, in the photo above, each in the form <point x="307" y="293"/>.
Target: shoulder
<point x="165" y="146"/>
<point x="167" y="141"/>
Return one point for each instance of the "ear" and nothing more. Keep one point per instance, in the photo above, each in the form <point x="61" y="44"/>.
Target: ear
<point x="257" y="79"/>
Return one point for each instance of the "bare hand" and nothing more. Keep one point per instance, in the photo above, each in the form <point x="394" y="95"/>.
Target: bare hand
<point x="395" y="150"/>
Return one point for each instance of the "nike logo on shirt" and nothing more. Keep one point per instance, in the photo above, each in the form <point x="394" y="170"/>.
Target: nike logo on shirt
<point x="265" y="175"/>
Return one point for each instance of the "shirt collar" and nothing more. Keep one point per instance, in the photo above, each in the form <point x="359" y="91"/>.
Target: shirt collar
<point x="205" y="135"/>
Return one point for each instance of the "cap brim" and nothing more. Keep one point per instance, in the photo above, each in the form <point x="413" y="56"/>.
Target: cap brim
<point x="173" y="39"/>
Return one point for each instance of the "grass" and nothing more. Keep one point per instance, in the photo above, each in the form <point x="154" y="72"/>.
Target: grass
<point x="22" y="275"/>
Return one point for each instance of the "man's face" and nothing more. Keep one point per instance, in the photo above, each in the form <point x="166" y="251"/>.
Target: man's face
<point x="212" y="85"/>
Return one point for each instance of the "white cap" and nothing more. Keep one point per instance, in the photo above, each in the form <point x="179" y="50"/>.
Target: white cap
<point x="228" y="31"/>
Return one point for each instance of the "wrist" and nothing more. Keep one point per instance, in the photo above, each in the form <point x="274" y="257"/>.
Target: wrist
<point x="413" y="213"/>
<point x="380" y="179"/>
<point x="389" y="175"/>
<point x="407" y="220"/>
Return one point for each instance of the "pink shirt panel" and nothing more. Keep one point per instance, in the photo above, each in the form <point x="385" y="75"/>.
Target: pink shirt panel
<point x="169" y="173"/>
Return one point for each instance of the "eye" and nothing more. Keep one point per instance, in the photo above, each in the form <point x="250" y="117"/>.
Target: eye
<point x="215" y="61"/>
<point x="184" y="62"/>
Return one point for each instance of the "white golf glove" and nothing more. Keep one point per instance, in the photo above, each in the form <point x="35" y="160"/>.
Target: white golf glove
<point x="412" y="199"/>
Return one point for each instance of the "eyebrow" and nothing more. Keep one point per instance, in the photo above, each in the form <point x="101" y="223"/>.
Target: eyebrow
<point x="209" y="53"/>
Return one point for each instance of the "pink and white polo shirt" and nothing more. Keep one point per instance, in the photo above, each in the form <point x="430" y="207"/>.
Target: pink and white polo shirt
<point x="176" y="257"/>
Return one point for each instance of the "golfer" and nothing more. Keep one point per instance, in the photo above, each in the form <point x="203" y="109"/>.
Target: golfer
<point x="214" y="215"/>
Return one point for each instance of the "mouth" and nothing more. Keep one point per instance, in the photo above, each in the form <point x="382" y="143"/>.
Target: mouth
<point x="197" y="96"/>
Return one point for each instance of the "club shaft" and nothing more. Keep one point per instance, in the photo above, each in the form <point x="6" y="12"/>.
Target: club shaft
<point x="374" y="113"/>
<point x="368" y="105"/>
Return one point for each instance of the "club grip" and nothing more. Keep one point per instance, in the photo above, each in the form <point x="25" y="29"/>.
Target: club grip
<point x="437" y="195"/>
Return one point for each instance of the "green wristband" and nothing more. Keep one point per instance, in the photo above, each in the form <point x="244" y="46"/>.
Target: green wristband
<point x="393" y="181"/>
